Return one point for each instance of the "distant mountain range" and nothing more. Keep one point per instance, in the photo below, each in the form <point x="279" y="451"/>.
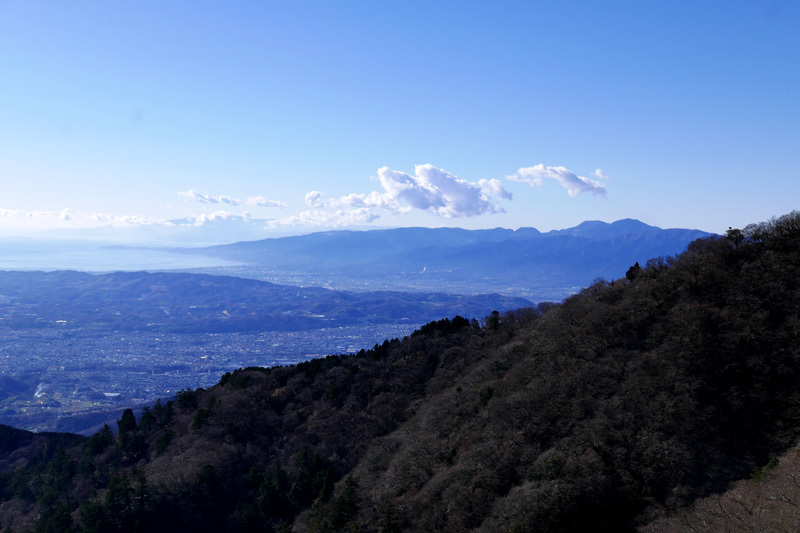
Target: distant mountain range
<point x="525" y="262"/>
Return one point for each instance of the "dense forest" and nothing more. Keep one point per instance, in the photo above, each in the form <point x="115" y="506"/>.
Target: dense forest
<point x="607" y="412"/>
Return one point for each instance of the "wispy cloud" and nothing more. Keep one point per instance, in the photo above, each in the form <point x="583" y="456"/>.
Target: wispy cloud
<point x="318" y="217"/>
<point x="76" y="217"/>
<point x="575" y="185"/>
<point x="216" y="216"/>
<point x="208" y="199"/>
<point x="260" y="201"/>
<point x="430" y="189"/>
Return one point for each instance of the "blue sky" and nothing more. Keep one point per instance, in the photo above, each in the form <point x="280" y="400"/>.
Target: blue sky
<point x="323" y="114"/>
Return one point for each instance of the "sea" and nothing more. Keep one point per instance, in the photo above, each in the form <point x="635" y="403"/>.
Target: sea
<point x="92" y="256"/>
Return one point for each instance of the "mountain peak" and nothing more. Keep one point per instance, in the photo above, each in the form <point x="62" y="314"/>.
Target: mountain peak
<point x="597" y="229"/>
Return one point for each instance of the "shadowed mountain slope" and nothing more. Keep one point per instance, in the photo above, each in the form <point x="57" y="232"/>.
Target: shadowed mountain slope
<point x="628" y="401"/>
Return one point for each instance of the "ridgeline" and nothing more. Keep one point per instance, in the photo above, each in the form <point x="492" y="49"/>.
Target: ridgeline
<point x="620" y="406"/>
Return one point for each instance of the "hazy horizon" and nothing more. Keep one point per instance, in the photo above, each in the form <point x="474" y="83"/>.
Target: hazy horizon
<point x="314" y="116"/>
<point x="214" y="233"/>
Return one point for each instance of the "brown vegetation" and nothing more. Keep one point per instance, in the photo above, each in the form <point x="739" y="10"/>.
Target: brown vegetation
<point x="768" y="501"/>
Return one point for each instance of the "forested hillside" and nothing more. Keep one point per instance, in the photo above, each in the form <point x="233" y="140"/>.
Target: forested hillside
<point x="620" y="406"/>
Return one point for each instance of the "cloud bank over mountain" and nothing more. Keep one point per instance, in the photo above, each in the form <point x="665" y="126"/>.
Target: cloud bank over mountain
<point x="433" y="190"/>
<point x="429" y="190"/>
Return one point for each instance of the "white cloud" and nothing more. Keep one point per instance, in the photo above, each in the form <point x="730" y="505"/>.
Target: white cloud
<point x="260" y="201"/>
<point x="263" y="201"/>
<point x="216" y="216"/>
<point x="314" y="199"/>
<point x="430" y="189"/>
<point x="73" y="218"/>
<point x="317" y="217"/>
<point x="574" y="184"/>
<point x="494" y="187"/>
<point x="200" y="197"/>
<point x="600" y="174"/>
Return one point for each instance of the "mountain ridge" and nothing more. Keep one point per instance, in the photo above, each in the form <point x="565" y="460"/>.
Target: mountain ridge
<point x="624" y="403"/>
<point x="547" y="270"/>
